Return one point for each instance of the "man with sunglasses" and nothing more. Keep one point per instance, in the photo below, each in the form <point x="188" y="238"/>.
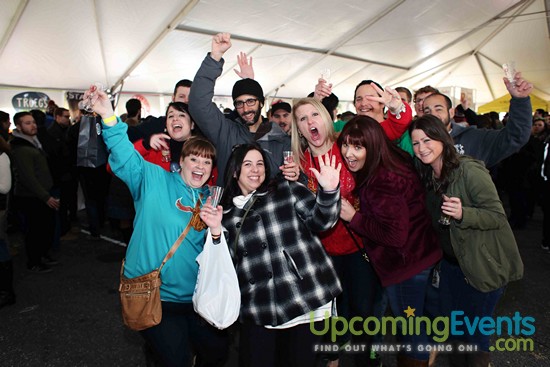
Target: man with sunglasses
<point x="250" y="125"/>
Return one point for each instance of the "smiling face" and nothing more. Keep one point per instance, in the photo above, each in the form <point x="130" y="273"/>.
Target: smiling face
<point x="195" y="170"/>
<point x="426" y="149"/>
<point x="355" y="156"/>
<point x="283" y="119"/>
<point x="252" y="172"/>
<point x="364" y="107"/>
<point x="436" y="105"/>
<point x="249" y="114"/>
<point x="312" y="126"/>
<point x="178" y="124"/>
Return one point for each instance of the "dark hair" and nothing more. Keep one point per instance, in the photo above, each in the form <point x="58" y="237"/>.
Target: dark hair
<point x="434" y="129"/>
<point x="4" y="116"/>
<point x="18" y="115"/>
<point x="182" y="83"/>
<point x="59" y="111"/>
<point x="233" y="171"/>
<point x="365" y="82"/>
<point x="330" y="102"/>
<point x="406" y="91"/>
<point x="427" y="89"/>
<point x="200" y="147"/>
<point x="448" y="101"/>
<point x="133" y="106"/>
<point x="381" y="152"/>
<point x="39" y="117"/>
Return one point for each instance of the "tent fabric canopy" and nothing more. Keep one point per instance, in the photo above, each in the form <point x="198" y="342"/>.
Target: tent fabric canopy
<point x="146" y="46"/>
<point x="502" y="104"/>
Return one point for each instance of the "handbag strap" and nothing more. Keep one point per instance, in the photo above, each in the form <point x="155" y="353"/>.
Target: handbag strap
<point x="242" y="222"/>
<point x="361" y="248"/>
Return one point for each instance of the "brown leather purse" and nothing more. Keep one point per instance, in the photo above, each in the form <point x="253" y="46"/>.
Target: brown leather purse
<point x="140" y="296"/>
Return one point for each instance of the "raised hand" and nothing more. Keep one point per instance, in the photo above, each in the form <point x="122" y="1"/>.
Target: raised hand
<point x="522" y="87"/>
<point x="159" y="141"/>
<point x="221" y="42"/>
<point x="389" y="97"/>
<point x="322" y="89"/>
<point x="212" y="217"/>
<point x="100" y="102"/>
<point x="329" y="174"/>
<point x="245" y="66"/>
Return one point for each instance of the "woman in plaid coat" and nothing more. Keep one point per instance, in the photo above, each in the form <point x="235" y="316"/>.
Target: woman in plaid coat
<point x="286" y="277"/>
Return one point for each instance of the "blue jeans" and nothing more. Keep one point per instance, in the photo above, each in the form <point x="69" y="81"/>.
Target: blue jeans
<point x="411" y="293"/>
<point x="457" y="295"/>
<point x="182" y="333"/>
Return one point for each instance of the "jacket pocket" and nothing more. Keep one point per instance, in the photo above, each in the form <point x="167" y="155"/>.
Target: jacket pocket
<point x="292" y="264"/>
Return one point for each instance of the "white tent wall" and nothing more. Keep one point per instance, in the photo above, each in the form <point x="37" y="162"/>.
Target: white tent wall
<point x="143" y="46"/>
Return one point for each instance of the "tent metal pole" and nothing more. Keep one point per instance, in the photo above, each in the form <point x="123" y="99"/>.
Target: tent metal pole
<point x="484" y="73"/>
<point x="167" y="29"/>
<point x="11" y="27"/>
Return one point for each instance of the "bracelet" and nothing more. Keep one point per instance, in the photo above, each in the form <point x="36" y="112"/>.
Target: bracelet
<point x="216" y="237"/>
<point x="397" y="113"/>
<point x="108" y="120"/>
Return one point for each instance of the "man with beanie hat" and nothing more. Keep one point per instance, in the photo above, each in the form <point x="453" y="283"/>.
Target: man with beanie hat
<point x="280" y="114"/>
<point x="250" y="126"/>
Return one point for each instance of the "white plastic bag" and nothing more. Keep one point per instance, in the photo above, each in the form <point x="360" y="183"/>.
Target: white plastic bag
<point x="217" y="297"/>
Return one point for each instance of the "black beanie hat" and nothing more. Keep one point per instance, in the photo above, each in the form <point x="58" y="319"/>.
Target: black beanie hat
<point x="248" y="86"/>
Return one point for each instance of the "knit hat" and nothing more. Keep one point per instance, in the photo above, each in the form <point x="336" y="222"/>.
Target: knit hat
<point x="248" y="86"/>
<point x="281" y="106"/>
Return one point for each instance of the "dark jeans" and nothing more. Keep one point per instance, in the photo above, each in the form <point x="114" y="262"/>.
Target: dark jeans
<point x="39" y="232"/>
<point x="411" y="293"/>
<point x="361" y="290"/>
<point x="292" y="347"/>
<point x="182" y="333"/>
<point x="457" y="295"/>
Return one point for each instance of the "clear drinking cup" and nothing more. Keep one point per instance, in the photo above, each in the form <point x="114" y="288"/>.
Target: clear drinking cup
<point x="216" y="193"/>
<point x="88" y="103"/>
<point x="165" y="155"/>
<point x="444" y="219"/>
<point x="288" y="157"/>
<point x="510" y="71"/>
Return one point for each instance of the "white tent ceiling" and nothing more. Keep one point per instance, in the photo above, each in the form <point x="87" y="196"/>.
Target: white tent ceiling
<point x="146" y="45"/>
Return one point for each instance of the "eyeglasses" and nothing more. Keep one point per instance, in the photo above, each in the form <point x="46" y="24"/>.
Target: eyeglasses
<point x="249" y="102"/>
<point x="419" y="100"/>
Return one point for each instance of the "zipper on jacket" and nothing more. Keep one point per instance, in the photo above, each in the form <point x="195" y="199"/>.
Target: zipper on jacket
<point x="292" y="264"/>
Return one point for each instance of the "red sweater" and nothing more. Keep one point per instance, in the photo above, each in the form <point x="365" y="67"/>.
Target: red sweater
<point x="393" y="127"/>
<point x="337" y="240"/>
<point x="396" y="226"/>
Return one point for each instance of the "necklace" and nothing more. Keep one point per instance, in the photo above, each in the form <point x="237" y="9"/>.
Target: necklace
<point x="436" y="184"/>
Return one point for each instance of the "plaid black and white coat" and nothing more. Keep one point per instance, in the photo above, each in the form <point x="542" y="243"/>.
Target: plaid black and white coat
<point x="283" y="269"/>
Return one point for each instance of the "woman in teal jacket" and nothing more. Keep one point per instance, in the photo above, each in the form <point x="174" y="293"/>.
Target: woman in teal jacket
<point x="480" y="254"/>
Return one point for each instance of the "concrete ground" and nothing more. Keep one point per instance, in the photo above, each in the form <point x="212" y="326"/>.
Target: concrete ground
<point x="71" y="316"/>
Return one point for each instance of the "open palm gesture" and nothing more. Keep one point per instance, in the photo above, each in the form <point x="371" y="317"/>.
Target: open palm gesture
<point x="328" y="175"/>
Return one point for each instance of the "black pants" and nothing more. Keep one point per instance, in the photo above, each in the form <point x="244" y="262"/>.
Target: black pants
<point x="546" y="213"/>
<point x="40" y="227"/>
<point x="292" y="347"/>
<point x="182" y="333"/>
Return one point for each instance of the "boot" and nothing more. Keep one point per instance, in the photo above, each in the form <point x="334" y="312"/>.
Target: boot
<point x="404" y="361"/>
<point x="7" y="295"/>
<point x="479" y="359"/>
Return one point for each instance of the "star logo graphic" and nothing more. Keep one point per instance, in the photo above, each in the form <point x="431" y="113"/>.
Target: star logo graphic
<point x="409" y="311"/>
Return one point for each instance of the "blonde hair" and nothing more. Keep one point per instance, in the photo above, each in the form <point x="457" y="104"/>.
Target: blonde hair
<point x="296" y="143"/>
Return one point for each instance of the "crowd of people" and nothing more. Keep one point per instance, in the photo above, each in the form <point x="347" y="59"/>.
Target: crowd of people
<point x="375" y="212"/>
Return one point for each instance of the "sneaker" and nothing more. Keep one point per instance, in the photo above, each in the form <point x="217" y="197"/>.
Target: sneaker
<point x="49" y="261"/>
<point x="545" y="247"/>
<point x="41" y="268"/>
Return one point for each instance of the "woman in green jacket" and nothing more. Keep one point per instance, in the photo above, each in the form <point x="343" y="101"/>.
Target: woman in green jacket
<point x="480" y="254"/>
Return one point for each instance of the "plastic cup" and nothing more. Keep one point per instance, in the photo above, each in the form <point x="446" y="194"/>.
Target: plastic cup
<point x="288" y="157"/>
<point x="216" y="193"/>
<point x="510" y="71"/>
